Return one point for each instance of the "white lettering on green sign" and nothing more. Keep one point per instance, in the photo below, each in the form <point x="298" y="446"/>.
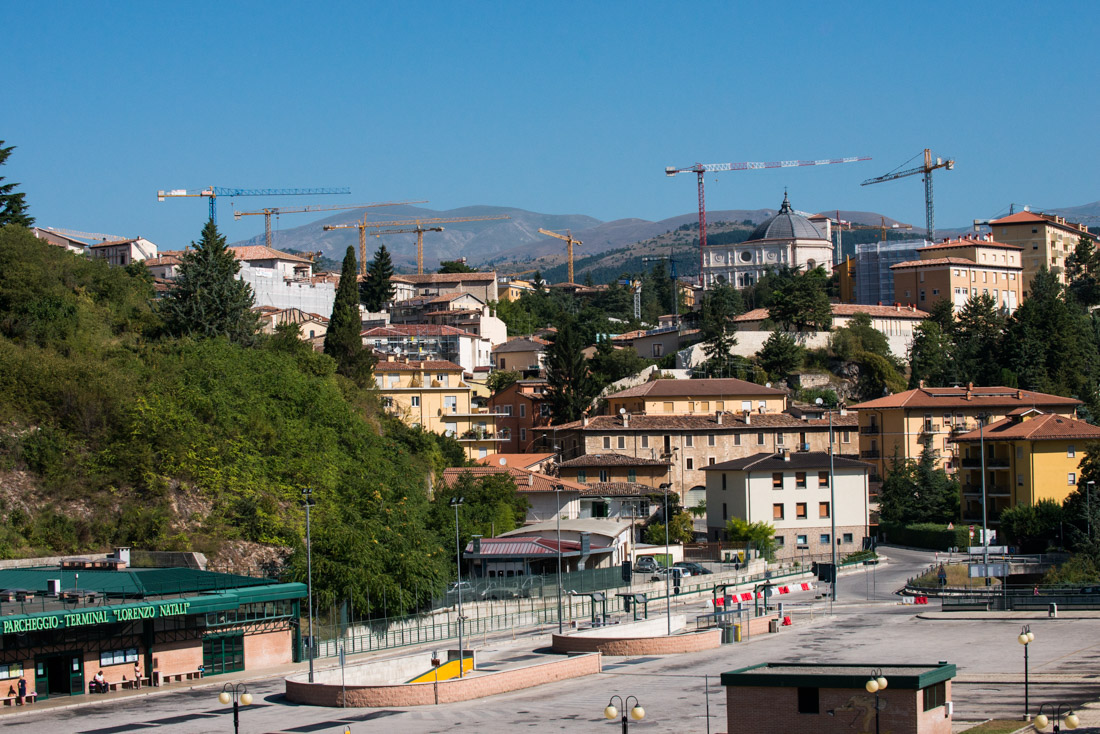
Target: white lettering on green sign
<point x="98" y="616"/>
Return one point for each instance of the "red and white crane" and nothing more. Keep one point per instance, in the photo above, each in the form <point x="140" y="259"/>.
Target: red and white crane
<point x="702" y="169"/>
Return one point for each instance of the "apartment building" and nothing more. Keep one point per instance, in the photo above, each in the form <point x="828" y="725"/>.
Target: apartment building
<point x="1045" y="239"/>
<point x="433" y="395"/>
<point x="432" y="342"/>
<point x="618" y="468"/>
<point x="791" y="492"/>
<point x="123" y="252"/>
<point x="959" y="269"/>
<point x="482" y="285"/>
<point x="1029" y="456"/>
<point x="900" y="425"/>
<point x="520" y="408"/>
<point x="697" y="396"/>
<point x="521" y="354"/>
<point x="690" y="443"/>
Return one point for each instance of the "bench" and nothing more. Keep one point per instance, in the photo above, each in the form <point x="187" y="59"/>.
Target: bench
<point x="11" y="700"/>
<point x="182" y="676"/>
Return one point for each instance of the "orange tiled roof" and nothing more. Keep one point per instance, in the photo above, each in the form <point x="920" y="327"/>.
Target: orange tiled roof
<point x="705" y="422"/>
<point x="1026" y="217"/>
<point x="526" y="481"/>
<point x="954" y="261"/>
<point x="1046" y="427"/>
<point x="851" y="309"/>
<point x="521" y="461"/>
<point x="711" y="387"/>
<point x="263" y="252"/>
<point x="956" y="397"/>
<point x="415" y="330"/>
<point x="414" y="366"/>
<point x="968" y="242"/>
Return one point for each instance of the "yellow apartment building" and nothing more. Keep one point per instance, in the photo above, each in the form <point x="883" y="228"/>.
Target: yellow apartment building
<point x="603" y="468"/>
<point x="1029" y="456"/>
<point x="685" y="397"/>
<point x="846" y="280"/>
<point x="1046" y="239"/>
<point x="901" y="424"/>
<point x="433" y="394"/>
<point x="959" y="269"/>
<point x="512" y="290"/>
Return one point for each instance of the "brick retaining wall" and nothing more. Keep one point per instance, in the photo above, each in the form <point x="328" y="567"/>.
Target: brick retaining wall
<point x="477" y="685"/>
<point x="662" y="645"/>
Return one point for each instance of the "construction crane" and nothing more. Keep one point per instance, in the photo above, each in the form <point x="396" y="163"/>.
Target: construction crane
<point x="635" y="285"/>
<point x="90" y="236"/>
<point x="417" y="226"/>
<point x="570" y="242"/>
<point x="930" y="164"/>
<point x="302" y="209"/>
<point x="213" y="192"/>
<point x="842" y="224"/>
<point x="701" y="169"/>
<point x="363" y="226"/>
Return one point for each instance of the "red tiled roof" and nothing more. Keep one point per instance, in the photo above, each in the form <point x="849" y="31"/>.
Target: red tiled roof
<point x="526" y="481"/>
<point x="966" y="242"/>
<point x="262" y="252"/>
<point x="618" y="489"/>
<point x="415" y="330"/>
<point x="851" y="309"/>
<point x="162" y="260"/>
<point x="431" y="278"/>
<point x="611" y="460"/>
<point x="527" y="546"/>
<point x="414" y="366"/>
<point x="794" y="460"/>
<point x="954" y="261"/>
<point x="521" y="345"/>
<point x="705" y="422"/>
<point x="1046" y="427"/>
<point x="711" y="387"/>
<point x="1027" y="217"/>
<point x="522" y="461"/>
<point x="951" y="397"/>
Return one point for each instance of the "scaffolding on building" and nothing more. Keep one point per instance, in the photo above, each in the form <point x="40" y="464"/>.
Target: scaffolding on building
<point x="874" y="279"/>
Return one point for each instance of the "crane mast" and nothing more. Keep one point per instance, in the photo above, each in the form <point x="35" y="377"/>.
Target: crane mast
<point x="569" y="240"/>
<point x="362" y="227"/>
<point x="417" y="226"/>
<point x="213" y="192"/>
<point x="276" y="210"/>
<point x="930" y="164"/>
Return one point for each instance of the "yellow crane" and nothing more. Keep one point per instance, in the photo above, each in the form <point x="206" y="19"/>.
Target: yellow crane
<point x="417" y="226"/>
<point x="843" y="224"/>
<point x="362" y="227"/>
<point x="277" y="210"/>
<point x="569" y="240"/>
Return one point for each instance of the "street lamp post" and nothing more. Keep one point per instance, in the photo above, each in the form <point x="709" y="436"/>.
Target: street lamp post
<point x="832" y="500"/>
<point x="874" y="685"/>
<point x="985" y="500"/>
<point x="1088" y="505"/>
<point x="235" y="693"/>
<point x="308" y="501"/>
<point x="1070" y="718"/>
<point x="1026" y="638"/>
<point x="455" y="503"/>
<point x="635" y="712"/>
<point x="668" y="569"/>
<point x="557" y="495"/>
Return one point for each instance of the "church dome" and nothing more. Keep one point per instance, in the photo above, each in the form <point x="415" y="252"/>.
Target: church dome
<point x="786" y="225"/>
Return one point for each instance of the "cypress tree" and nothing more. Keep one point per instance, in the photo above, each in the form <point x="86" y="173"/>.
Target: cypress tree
<point x="571" y="388"/>
<point x="13" y="206"/>
<point x="343" y="340"/>
<point x="377" y="289"/>
<point x="207" y="299"/>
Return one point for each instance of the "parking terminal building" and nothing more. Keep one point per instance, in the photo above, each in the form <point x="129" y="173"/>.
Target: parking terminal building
<point x="63" y="624"/>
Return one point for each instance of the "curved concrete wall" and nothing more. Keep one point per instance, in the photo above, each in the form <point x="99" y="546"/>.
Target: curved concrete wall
<point x="663" y="645"/>
<point x="476" y="685"/>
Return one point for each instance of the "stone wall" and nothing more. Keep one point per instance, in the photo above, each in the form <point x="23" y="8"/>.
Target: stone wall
<point x="663" y="645"/>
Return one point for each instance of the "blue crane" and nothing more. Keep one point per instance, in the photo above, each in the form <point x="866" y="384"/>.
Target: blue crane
<point x="213" y="192"/>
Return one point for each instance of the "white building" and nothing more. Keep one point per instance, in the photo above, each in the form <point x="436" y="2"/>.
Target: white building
<point x="788" y="238"/>
<point x="790" y="491"/>
<point x="271" y="288"/>
<point x="123" y="252"/>
<point x="431" y="341"/>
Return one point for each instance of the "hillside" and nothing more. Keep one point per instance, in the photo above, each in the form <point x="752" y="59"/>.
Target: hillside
<point x="111" y="433"/>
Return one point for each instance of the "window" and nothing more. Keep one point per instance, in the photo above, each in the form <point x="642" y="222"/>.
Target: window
<point x="416" y="401"/>
<point x="808" y="701"/>
<point x="690" y="464"/>
<point x="935" y="291"/>
<point x="603" y="475"/>
<point x="710" y="461"/>
<point x="723" y="510"/>
<point x="723" y="482"/>
<point x="847" y="537"/>
<point x="392" y="380"/>
<point x="1071" y="453"/>
<point x="777" y="480"/>
<point x="800" y="540"/>
<point x="11" y="670"/>
<point x="444" y="380"/>
<point x="523" y="410"/>
<point x="523" y="434"/>
<point x="1071" y="478"/>
<point x="760" y="439"/>
<point x="822" y="509"/>
<point x="689" y="441"/>
<point x="779" y="439"/>
<point x="719" y="404"/>
<point x="935" y="696"/>
<point x="704" y="406"/>
<point x="824" y="538"/>
<point x="800" y="510"/>
<point x="482" y="452"/>
<point x="800" y="480"/>
<point x="504" y="409"/>
<point x="823" y="479"/>
<point x="922" y="294"/>
<point x="658" y="349"/>
<point x="1019" y="480"/>
<point x="668" y="407"/>
<point x="710" y="439"/>
<point x="845" y="436"/>
<point x="544" y="410"/>
<point x="737" y="439"/>
<point x="118" y="657"/>
<point x="780" y="541"/>
<point x="622" y="442"/>
<point x="582" y="476"/>
<point x="607" y="442"/>
<point x="777" y="511"/>
<point x="450" y="402"/>
<point x="631" y="475"/>
<point x="645" y="442"/>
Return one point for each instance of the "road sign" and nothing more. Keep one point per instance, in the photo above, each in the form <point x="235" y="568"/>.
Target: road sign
<point x="987" y="570"/>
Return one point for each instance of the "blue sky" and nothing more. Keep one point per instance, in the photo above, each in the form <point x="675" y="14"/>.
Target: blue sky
<point x="563" y="107"/>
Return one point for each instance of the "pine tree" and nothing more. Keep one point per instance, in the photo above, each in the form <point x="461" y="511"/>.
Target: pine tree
<point x="977" y="334"/>
<point x="570" y="388"/>
<point x="720" y="306"/>
<point x="343" y="340"/>
<point x="13" y="206"/>
<point x="207" y="299"/>
<point x="780" y="355"/>
<point x="377" y="289"/>
<point x="930" y="359"/>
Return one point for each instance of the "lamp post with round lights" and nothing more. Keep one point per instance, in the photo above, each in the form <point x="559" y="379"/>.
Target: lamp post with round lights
<point x="1068" y="717"/>
<point x="635" y="712"/>
<point x="832" y="501"/>
<point x="1026" y="638"/>
<point x="876" y="683"/>
<point x="456" y="502"/>
<point x="557" y="501"/>
<point x="308" y="501"/>
<point x="668" y="560"/>
<point x="235" y="693"/>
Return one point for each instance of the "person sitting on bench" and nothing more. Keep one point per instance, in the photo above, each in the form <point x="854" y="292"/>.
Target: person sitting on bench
<point x="99" y="683"/>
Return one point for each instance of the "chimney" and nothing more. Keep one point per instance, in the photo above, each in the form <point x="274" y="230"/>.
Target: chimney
<point x="748" y="417"/>
<point x="1019" y="394"/>
<point x="969" y="390"/>
<point x="718" y="417"/>
<point x="786" y="454"/>
<point x="626" y="420"/>
<point x="920" y="384"/>
<point x="584" y="421"/>
<point x="897" y="306"/>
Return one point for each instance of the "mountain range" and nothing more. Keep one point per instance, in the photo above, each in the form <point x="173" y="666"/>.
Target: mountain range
<point x="517" y="239"/>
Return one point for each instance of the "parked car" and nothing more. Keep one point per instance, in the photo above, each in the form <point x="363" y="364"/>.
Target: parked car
<point x="511" y="589"/>
<point x="646" y="564"/>
<point x="467" y="592"/>
<point x="697" y="569"/>
<point x="675" y="571"/>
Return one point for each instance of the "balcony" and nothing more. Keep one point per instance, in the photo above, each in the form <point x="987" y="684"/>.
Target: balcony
<point x="870" y="454"/>
<point x="871" y="430"/>
<point x="929" y="429"/>
<point x="480" y="435"/>
<point x="995" y="462"/>
<point x="961" y="428"/>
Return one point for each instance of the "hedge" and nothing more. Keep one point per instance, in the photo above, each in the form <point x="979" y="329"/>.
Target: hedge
<point x="925" y="535"/>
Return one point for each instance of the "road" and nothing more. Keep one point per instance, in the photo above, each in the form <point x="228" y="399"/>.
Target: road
<point x="674" y="690"/>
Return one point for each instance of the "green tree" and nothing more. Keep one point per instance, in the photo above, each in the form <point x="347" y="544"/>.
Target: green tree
<point x="377" y="289"/>
<point x="207" y="299"/>
<point x="491" y="506"/>
<point x="455" y="266"/>
<point x="501" y="380"/>
<point x="918" y="492"/>
<point x="1083" y="272"/>
<point x="721" y="305"/>
<point x="759" y="535"/>
<point x="799" y="301"/>
<point x="1033" y="528"/>
<point x="13" y="206"/>
<point x="343" y="340"/>
<point x="977" y="338"/>
<point x="570" y="387"/>
<point x="681" y="530"/>
<point x="609" y="364"/>
<point x="780" y="355"/>
<point x="858" y="335"/>
<point x="930" y="359"/>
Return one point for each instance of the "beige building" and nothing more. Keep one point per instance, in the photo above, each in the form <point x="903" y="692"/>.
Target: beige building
<point x="123" y="252"/>
<point x="520" y="354"/>
<point x="1045" y="239"/>
<point x="310" y="325"/>
<point x="482" y="285"/>
<point x="791" y="492"/>
<point x="691" y="443"/>
<point x="959" y="269"/>
<point x="697" y="396"/>
<point x="901" y="424"/>
<point x="513" y="290"/>
<point x="434" y="395"/>
<point x="604" y="468"/>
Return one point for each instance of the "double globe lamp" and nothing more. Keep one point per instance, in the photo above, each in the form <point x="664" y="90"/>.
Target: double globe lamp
<point x="1070" y="720"/>
<point x="637" y="713"/>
